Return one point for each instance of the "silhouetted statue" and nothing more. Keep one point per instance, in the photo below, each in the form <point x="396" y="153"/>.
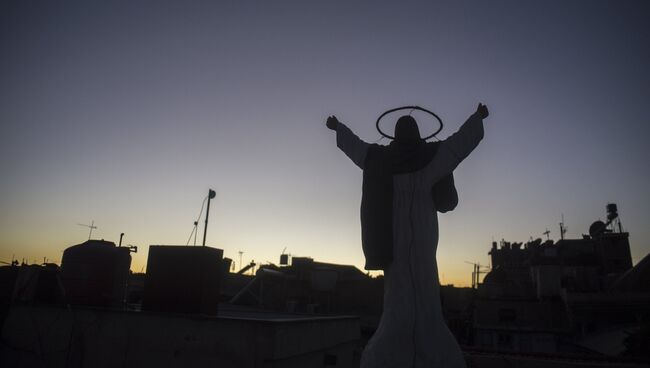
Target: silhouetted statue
<point x="405" y="184"/>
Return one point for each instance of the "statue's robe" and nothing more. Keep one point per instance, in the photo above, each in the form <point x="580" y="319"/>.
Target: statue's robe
<point x="412" y="331"/>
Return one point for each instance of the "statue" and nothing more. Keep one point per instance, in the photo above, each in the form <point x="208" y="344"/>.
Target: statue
<point x="405" y="184"/>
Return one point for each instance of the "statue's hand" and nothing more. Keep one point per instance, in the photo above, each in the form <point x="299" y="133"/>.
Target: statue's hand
<point x="332" y="122"/>
<point x="482" y="111"/>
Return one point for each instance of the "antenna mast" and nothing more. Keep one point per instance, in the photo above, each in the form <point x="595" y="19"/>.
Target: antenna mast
<point x="211" y="194"/>
<point x="476" y="273"/>
<point x="91" y="227"/>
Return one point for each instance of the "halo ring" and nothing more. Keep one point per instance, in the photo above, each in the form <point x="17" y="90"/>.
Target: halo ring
<point x="409" y="108"/>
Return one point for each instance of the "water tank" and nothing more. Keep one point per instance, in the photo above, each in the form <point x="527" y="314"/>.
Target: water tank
<point x="611" y="208"/>
<point x="612" y="211"/>
<point x="183" y="279"/>
<point x="95" y="273"/>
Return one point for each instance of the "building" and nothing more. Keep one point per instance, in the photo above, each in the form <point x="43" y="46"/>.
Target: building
<point x="571" y="296"/>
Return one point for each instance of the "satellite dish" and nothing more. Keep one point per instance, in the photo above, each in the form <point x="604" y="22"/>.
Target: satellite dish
<point x="597" y="228"/>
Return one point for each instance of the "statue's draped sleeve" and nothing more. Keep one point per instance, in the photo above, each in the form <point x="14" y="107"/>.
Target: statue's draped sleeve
<point x="445" y="196"/>
<point x="351" y="145"/>
<point x="455" y="149"/>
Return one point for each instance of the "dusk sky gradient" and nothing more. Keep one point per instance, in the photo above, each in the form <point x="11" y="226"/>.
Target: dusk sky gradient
<point x="127" y="112"/>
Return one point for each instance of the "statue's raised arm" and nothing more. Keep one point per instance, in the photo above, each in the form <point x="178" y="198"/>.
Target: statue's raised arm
<point x="348" y="142"/>
<point x="458" y="146"/>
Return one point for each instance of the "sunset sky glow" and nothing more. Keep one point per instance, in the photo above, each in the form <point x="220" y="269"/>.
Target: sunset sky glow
<point x="126" y="113"/>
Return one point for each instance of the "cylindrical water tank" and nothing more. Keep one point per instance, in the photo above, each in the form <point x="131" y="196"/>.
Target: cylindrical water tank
<point x="95" y="273"/>
<point x="611" y="208"/>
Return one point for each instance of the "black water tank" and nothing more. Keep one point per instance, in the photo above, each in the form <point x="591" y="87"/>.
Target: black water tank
<point x="612" y="208"/>
<point x="95" y="273"/>
<point x="183" y="279"/>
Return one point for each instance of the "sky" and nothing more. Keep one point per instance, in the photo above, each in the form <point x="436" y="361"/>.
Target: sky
<point x="125" y="113"/>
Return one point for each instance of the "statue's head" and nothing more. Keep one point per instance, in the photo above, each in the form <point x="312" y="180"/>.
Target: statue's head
<point x="406" y="130"/>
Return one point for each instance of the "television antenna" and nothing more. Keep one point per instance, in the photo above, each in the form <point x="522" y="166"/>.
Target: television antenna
<point x="547" y="232"/>
<point x="91" y="227"/>
<point x="562" y="228"/>
<point x="476" y="273"/>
